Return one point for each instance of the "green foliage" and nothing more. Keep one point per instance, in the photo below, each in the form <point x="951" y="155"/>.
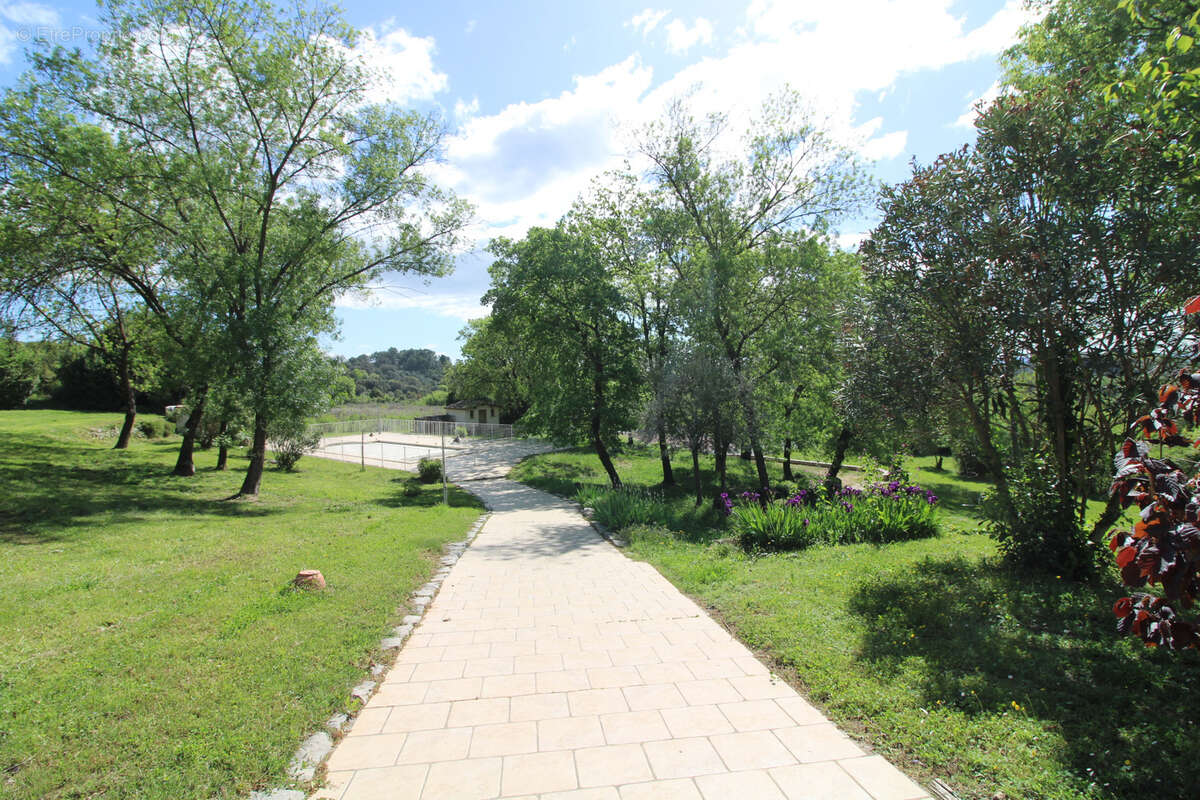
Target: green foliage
<point x="627" y="506"/>
<point x="17" y="374"/>
<point x="885" y="513"/>
<point x="429" y="470"/>
<point x="155" y="427"/>
<point x="290" y="445"/>
<point x="399" y="375"/>
<point x="1039" y="528"/>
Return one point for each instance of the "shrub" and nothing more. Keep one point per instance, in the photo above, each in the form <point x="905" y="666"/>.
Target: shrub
<point x="411" y="488"/>
<point x="429" y="470"/>
<point x="617" y="509"/>
<point x="1041" y="531"/>
<point x="886" y="512"/>
<point x="289" y="447"/>
<point x="155" y="428"/>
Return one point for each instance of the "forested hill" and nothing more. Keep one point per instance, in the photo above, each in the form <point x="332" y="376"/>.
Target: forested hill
<point x="397" y="374"/>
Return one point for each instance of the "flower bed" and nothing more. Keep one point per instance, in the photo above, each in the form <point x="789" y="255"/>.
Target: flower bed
<point x="885" y="512"/>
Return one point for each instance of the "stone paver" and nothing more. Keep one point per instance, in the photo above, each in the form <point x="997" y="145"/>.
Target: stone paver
<point x="550" y="665"/>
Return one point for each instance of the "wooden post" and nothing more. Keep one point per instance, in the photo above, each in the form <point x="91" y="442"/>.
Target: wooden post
<point x="362" y="451"/>
<point x="445" y="494"/>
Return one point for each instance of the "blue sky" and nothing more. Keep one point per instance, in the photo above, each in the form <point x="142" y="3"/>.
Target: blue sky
<point x="540" y="97"/>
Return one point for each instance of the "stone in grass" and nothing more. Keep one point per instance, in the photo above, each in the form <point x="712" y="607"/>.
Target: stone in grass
<point x="278" y="794"/>
<point x="310" y="755"/>
<point x="411" y="619"/>
<point x="363" y="690"/>
<point x="419" y="603"/>
<point x="392" y="643"/>
<point x="402" y="631"/>
<point x="337" y="722"/>
<point x="378" y="669"/>
<point x="309" y="579"/>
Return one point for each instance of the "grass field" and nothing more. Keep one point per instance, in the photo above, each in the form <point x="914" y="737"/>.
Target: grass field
<point x="353" y="411"/>
<point x="152" y="647"/>
<point x="940" y="657"/>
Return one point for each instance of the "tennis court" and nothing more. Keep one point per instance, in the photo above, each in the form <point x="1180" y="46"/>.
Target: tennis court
<point x="468" y="459"/>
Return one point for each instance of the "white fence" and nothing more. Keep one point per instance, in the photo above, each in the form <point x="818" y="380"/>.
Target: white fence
<point x="419" y="427"/>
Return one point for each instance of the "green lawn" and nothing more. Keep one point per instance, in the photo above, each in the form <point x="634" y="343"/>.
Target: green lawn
<point x="151" y="645"/>
<point x="939" y="657"/>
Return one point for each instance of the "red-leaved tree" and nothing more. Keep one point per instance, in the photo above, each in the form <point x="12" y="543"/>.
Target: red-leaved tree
<point x="1163" y="547"/>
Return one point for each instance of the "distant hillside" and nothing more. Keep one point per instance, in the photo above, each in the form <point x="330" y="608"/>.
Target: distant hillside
<point x="397" y="374"/>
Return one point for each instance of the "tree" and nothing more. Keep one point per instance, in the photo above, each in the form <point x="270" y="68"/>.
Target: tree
<point x="493" y="367"/>
<point x="744" y="216"/>
<point x="556" y="290"/>
<point x="17" y="375"/>
<point x="275" y="186"/>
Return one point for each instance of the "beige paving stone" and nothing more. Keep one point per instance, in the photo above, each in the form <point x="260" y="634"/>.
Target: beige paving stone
<point x="596" y="701"/>
<point x="822" y="781"/>
<point x="509" y="685"/>
<point x="612" y="765"/>
<point x="800" y="710"/>
<point x="751" y="750"/>
<point x="443" y="745"/>
<point x="473" y="779"/>
<point x="587" y="660"/>
<point x="468" y="652"/>
<point x="415" y="654"/>
<point x="657" y="695"/>
<point x="510" y="649"/>
<point x="569" y="733"/>
<point x="759" y="687"/>
<point x="538" y="773"/>
<point x="563" y="680"/>
<point x="504" y="739"/>
<point x="683" y="758"/>
<point x="614" y="677"/>
<point x="882" y="780"/>
<point x="696" y="721"/>
<point x="399" y="694"/>
<point x="458" y="689"/>
<point x="714" y="668"/>
<point x="678" y="789"/>
<point x="708" y="692"/>
<point x="362" y="752"/>
<point x="438" y="670"/>
<point x="726" y="785"/>
<point x="538" y="663"/>
<point x="468" y="713"/>
<point x="756" y="715"/>
<point x="539" y="706"/>
<point x="392" y="783"/>
<point x="599" y="793"/>
<point x="822" y="742"/>
<point x="487" y="667"/>
<point x="664" y="673"/>
<point x="370" y="720"/>
<point x="426" y="716"/>
<point x="335" y="785"/>
<point x="634" y="726"/>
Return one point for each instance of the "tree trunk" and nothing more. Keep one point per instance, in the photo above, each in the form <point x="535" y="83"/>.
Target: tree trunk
<point x="760" y="464"/>
<point x="787" y="460"/>
<point x="185" y="467"/>
<point x="720" y="459"/>
<point x="1112" y="511"/>
<point x="130" y="398"/>
<point x="258" y="458"/>
<point x="696" y="482"/>
<point x="223" y="451"/>
<point x="665" y="457"/>
<point x="606" y="460"/>
<point x="839" y="456"/>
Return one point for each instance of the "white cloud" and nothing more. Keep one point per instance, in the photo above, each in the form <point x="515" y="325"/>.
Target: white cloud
<point x="404" y="63"/>
<point x="884" y="147"/>
<point x="464" y="110"/>
<point x="29" y="18"/>
<point x="570" y="43"/>
<point x="464" y="306"/>
<point x="470" y="27"/>
<point x="967" y="120"/>
<point x="851" y="241"/>
<point x="647" y="20"/>
<point x="681" y="38"/>
<point x="526" y="163"/>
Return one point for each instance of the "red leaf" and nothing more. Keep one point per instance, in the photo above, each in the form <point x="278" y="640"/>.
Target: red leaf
<point x="1123" y="607"/>
<point x="1193" y="305"/>
<point x="1126" y="556"/>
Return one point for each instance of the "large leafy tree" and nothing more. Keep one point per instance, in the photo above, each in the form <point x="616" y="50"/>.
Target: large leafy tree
<point x="745" y="215"/>
<point x="556" y="289"/>
<point x="274" y="185"/>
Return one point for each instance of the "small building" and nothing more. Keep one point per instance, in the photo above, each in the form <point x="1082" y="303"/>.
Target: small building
<point x="481" y="411"/>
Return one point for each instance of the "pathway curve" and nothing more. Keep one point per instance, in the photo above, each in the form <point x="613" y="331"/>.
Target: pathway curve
<point x="551" y="666"/>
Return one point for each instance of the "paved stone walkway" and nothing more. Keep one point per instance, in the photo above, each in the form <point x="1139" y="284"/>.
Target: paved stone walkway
<point x="552" y="666"/>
